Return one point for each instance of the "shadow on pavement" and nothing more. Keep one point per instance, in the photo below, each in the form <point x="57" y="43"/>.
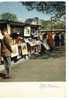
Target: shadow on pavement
<point x="56" y="53"/>
<point x="2" y="75"/>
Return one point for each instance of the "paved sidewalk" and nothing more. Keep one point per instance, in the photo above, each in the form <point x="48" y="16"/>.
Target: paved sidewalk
<point x="52" y="69"/>
<point x="12" y="64"/>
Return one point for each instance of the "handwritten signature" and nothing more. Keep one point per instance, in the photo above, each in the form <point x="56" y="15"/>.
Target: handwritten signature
<point x="48" y="86"/>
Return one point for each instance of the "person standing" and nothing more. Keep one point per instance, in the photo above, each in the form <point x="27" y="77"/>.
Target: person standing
<point x="0" y="51"/>
<point x="53" y="36"/>
<point x="6" y="53"/>
<point x="62" y="40"/>
<point x="57" y="40"/>
<point x="50" y="41"/>
<point x="1" y="37"/>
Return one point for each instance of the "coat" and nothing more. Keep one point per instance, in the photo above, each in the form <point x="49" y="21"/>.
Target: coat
<point x="50" y="40"/>
<point x="6" y="46"/>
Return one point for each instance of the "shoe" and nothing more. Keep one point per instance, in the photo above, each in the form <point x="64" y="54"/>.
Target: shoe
<point x="2" y="75"/>
<point x="6" y="77"/>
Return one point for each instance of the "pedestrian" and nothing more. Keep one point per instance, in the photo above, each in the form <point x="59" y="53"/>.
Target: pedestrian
<point x="57" y="40"/>
<point x="0" y="51"/>
<point x="50" y="41"/>
<point x="1" y="37"/>
<point x="53" y="36"/>
<point x="62" y="39"/>
<point x="6" y="53"/>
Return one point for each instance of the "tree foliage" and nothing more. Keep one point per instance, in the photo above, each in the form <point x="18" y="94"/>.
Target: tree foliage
<point x="47" y="25"/>
<point x="8" y="16"/>
<point x="56" y="8"/>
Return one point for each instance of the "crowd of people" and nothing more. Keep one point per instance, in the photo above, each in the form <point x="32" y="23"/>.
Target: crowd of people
<point x="54" y="40"/>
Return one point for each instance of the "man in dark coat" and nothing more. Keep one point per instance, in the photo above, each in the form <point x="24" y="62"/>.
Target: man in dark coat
<point x="6" y="53"/>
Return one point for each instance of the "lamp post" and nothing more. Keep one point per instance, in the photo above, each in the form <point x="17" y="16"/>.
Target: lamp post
<point x="51" y="24"/>
<point x="53" y="19"/>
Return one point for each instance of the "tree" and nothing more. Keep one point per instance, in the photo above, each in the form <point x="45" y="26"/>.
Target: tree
<point x="55" y="24"/>
<point x="56" y="8"/>
<point x="8" y="16"/>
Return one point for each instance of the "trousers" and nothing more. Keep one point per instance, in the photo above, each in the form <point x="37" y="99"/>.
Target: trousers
<point x="7" y="63"/>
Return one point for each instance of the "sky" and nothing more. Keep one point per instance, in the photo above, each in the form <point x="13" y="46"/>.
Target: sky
<point x="21" y="12"/>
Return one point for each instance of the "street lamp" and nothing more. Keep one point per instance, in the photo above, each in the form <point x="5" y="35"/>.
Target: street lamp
<point x="53" y="19"/>
<point x="51" y="23"/>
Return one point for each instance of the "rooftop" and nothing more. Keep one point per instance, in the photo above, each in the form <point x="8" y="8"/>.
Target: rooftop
<point x="17" y="23"/>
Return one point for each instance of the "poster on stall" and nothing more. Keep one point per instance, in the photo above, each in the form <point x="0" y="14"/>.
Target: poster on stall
<point x="27" y="31"/>
<point x="14" y="50"/>
<point x="24" y="49"/>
